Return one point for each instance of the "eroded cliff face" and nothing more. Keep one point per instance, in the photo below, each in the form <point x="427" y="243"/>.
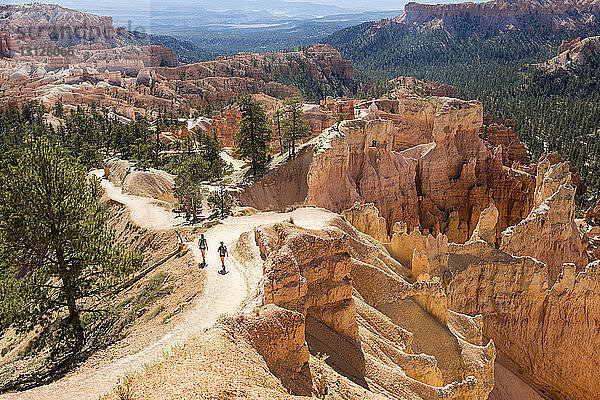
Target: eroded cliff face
<point x="41" y="24"/>
<point x="549" y="232"/>
<point x="502" y="15"/>
<point x="535" y="290"/>
<point x="283" y="186"/>
<point x="380" y="332"/>
<point x="549" y="334"/>
<point x="441" y="182"/>
<point x="359" y="165"/>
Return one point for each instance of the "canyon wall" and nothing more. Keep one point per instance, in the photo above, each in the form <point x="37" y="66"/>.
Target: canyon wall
<point x="42" y="24"/>
<point x="441" y="178"/>
<point x="499" y="15"/>
<point x="539" y="311"/>
<point x="355" y="304"/>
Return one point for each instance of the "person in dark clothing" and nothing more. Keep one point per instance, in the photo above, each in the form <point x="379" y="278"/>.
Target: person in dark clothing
<point x="203" y="246"/>
<point x="223" y="253"/>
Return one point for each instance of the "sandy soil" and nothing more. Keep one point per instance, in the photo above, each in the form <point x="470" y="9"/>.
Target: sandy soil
<point x="509" y="386"/>
<point x="223" y="294"/>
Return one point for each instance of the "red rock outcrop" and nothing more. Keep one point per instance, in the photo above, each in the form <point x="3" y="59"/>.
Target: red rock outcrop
<point x="445" y="184"/>
<point x="226" y="125"/>
<point x="500" y="132"/>
<point x="547" y="334"/>
<point x="537" y="348"/>
<point x="309" y="272"/>
<point x="411" y="115"/>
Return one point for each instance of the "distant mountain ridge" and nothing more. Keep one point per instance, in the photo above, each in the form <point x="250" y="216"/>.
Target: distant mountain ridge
<point x="502" y="15"/>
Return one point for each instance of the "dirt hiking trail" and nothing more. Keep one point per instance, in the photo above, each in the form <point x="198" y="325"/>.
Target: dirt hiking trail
<point x="223" y="294"/>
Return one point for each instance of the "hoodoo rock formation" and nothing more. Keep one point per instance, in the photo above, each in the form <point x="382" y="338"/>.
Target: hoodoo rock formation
<point x="427" y="167"/>
<point x="549" y="233"/>
<point x="512" y="289"/>
<point x="354" y="306"/>
<point x="500" y="132"/>
<point x="508" y="289"/>
<point x="523" y="261"/>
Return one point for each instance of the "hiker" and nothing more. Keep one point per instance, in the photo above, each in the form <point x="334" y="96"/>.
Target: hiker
<point x="223" y="253"/>
<point x="180" y="243"/>
<point x="203" y="246"/>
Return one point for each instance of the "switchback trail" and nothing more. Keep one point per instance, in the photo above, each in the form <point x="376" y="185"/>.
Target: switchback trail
<point x="223" y="294"/>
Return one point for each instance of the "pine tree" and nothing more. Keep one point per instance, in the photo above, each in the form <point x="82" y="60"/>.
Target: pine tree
<point x="254" y="134"/>
<point x="277" y="119"/>
<point x="220" y="201"/>
<point x="191" y="172"/>
<point x="295" y="127"/>
<point x="56" y="246"/>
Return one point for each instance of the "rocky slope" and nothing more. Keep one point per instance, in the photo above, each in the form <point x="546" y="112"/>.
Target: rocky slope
<point x="502" y="15"/>
<point x="571" y="55"/>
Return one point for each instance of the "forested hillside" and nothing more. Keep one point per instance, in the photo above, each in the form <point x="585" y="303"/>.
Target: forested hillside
<point x="553" y="112"/>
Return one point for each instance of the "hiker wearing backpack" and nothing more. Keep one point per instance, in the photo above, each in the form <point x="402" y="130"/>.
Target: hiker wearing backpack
<point x="222" y="254"/>
<point x="203" y="246"/>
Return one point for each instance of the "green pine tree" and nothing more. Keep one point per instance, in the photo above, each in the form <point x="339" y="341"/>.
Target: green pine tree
<point x="294" y="126"/>
<point x="220" y="201"/>
<point x="57" y="250"/>
<point x="254" y="134"/>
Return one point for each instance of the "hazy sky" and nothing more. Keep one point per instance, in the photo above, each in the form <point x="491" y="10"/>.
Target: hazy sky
<point x="111" y="4"/>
